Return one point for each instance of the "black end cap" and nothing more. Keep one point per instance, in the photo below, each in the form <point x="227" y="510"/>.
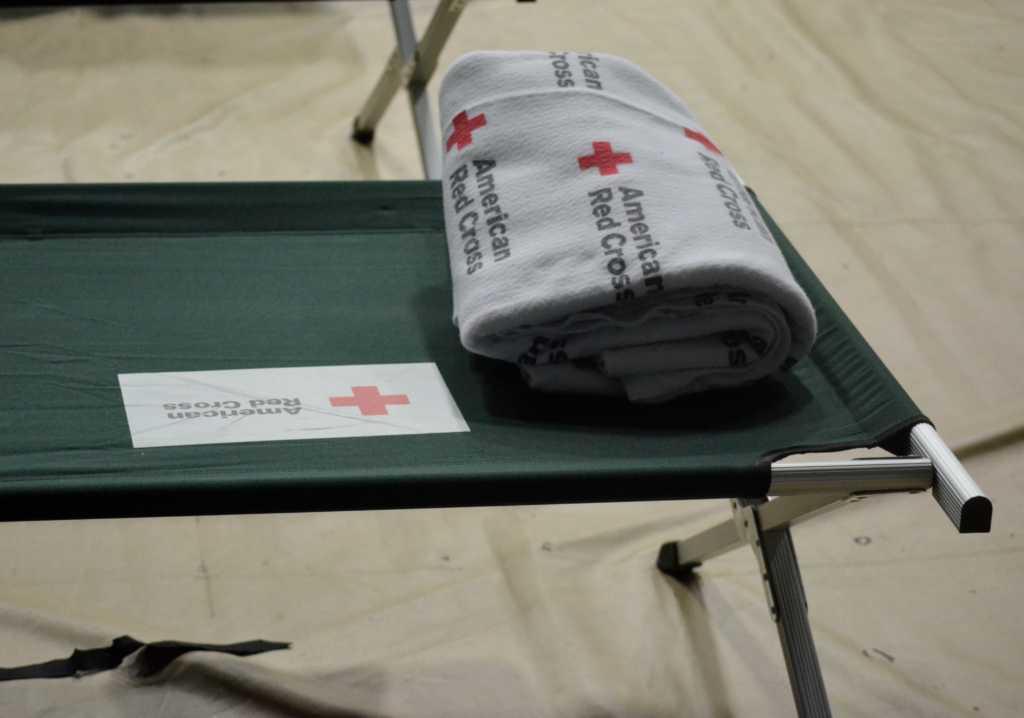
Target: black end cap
<point x="668" y="562"/>
<point x="363" y="137"/>
<point x="976" y="516"/>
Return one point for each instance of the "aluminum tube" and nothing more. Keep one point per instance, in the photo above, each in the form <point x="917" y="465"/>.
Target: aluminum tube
<point x="861" y="476"/>
<point x="792" y="510"/>
<point x="679" y="557"/>
<point x="692" y="552"/>
<point x="963" y="501"/>
<point x="787" y="601"/>
<point x="396" y="74"/>
<point x="435" y="37"/>
<point x="403" y="29"/>
<point x="390" y="82"/>
<point x="430" y="149"/>
<point x="408" y="70"/>
<point x="794" y="629"/>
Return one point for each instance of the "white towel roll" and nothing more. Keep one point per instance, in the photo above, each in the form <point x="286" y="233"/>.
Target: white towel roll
<point x="598" y="238"/>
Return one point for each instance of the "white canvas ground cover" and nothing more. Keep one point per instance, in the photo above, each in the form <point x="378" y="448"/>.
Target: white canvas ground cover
<point x="887" y="142"/>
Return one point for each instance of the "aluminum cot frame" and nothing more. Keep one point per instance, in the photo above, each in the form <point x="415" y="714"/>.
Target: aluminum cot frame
<point x="801" y="490"/>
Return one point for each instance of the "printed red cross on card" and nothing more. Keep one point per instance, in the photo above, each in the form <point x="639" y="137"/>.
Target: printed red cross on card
<point x="464" y="126"/>
<point x="708" y="144"/>
<point x="604" y="159"/>
<point x="369" y="400"/>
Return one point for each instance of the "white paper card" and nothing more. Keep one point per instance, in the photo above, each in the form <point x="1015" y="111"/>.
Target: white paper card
<point x="321" y="402"/>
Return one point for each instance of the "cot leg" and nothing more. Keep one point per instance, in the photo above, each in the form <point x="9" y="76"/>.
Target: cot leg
<point x="780" y="575"/>
<point x="411" y="65"/>
<point x="430" y="147"/>
<point x="788" y="604"/>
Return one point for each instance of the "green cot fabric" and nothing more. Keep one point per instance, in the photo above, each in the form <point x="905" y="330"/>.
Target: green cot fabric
<point x="107" y="279"/>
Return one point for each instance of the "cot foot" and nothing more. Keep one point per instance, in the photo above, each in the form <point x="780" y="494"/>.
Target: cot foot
<point x="360" y="135"/>
<point x="668" y="562"/>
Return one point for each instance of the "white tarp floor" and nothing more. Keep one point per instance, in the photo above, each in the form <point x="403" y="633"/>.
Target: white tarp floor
<point x="887" y="139"/>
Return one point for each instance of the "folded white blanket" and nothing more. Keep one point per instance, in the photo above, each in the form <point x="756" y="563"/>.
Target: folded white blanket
<point x="599" y="238"/>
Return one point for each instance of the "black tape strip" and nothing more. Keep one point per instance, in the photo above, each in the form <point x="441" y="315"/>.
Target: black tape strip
<point x="152" y="659"/>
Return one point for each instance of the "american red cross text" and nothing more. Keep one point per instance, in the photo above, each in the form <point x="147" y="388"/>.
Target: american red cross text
<point x="369" y="400"/>
<point x="604" y="159"/>
<point x="464" y="126"/>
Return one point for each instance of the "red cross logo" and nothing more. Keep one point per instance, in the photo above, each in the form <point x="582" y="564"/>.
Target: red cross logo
<point x="464" y="126"/>
<point x="604" y="159"/>
<point x="708" y="144"/>
<point x="369" y="400"/>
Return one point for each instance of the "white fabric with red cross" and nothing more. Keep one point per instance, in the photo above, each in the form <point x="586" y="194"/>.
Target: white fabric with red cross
<point x="599" y="239"/>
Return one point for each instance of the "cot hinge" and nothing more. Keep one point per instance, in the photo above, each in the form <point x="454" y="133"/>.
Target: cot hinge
<point x="748" y="526"/>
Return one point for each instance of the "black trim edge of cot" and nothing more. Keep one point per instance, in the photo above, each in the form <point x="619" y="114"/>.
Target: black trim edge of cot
<point x="895" y="440"/>
<point x="34" y="503"/>
<point x="152" y="658"/>
<point x="976" y="516"/>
